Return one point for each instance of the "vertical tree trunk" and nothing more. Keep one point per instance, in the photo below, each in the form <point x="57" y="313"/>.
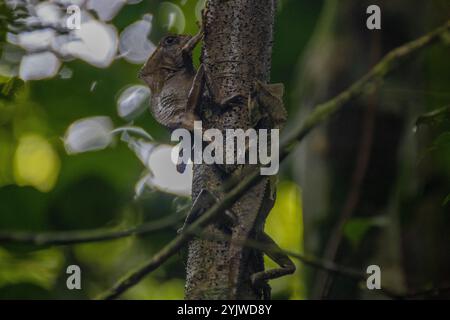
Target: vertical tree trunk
<point x="237" y="52"/>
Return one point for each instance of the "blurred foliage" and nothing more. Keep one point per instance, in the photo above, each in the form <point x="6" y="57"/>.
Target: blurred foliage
<point x="5" y="18"/>
<point x="356" y="228"/>
<point x="40" y="268"/>
<point x="434" y="117"/>
<point x="8" y="87"/>
<point x="446" y="200"/>
<point x="35" y="163"/>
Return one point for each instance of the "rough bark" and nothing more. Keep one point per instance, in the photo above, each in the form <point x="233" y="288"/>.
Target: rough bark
<point x="237" y="52"/>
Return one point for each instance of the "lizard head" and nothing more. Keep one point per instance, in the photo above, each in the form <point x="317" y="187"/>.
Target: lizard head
<point x="173" y="53"/>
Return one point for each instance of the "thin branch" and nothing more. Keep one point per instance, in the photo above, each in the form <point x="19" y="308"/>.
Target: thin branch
<point x="325" y="265"/>
<point x="176" y="244"/>
<point x="434" y="116"/>
<point x="321" y="113"/>
<point x="324" y="282"/>
<point x="374" y="76"/>
<point x="85" y="236"/>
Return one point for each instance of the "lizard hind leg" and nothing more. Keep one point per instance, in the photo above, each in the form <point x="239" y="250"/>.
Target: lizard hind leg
<point x="269" y="99"/>
<point x="259" y="279"/>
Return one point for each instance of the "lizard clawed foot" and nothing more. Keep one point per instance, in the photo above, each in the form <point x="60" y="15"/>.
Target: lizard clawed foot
<point x="182" y="162"/>
<point x="192" y="42"/>
<point x="263" y="286"/>
<point x="259" y="279"/>
<point x="203" y="202"/>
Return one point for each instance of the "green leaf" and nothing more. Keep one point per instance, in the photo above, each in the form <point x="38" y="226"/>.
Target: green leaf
<point x="446" y="200"/>
<point x="355" y="229"/>
<point x="434" y="117"/>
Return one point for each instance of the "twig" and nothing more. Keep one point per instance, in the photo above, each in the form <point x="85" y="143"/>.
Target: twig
<point x="324" y="282"/>
<point x="173" y="247"/>
<point x="77" y="237"/>
<point x="313" y="262"/>
<point x="434" y="116"/>
<point x="378" y="72"/>
<point x="328" y="266"/>
<point x="325" y="265"/>
<point x="321" y="113"/>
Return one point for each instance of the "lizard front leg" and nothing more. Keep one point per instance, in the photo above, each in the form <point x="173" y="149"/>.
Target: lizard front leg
<point x="197" y="85"/>
<point x="259" y="279"/>
<point x="193" y="100"/>
<point x="190" y="114"/>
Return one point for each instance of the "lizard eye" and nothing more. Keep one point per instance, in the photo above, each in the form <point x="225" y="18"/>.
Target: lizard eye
<point x="170" y="40"/>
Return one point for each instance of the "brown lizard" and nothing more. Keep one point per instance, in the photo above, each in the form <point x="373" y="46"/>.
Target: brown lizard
<point x="176" y="94"/>
<point x="265" y="110"/>
<point x="175" y="85"/>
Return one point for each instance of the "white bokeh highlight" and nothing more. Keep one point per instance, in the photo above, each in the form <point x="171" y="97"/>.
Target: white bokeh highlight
<point x="39" y="66"/>
<point x="88" y="134"/>
<point x="133" y="101"/>
<point x="134" y="44"/>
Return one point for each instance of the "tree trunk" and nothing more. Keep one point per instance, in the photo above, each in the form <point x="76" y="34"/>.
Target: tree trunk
<point x="237" y="52"/>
